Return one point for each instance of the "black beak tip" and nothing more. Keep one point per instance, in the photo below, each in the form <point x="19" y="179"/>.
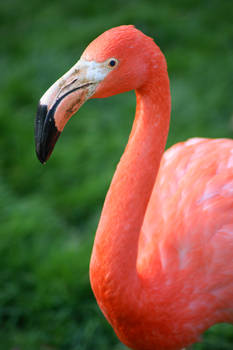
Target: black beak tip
<point x="40" y="158"/>
<point x="46" y="133"/>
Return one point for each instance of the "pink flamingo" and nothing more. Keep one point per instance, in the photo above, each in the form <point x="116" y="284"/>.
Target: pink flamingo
<point x="161" y="267"/>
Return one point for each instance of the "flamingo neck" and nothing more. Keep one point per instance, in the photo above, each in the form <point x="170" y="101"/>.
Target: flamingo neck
<point x="113" y="273"/>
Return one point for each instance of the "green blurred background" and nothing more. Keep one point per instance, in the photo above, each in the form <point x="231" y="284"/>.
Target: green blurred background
<point x="49" y="213"/>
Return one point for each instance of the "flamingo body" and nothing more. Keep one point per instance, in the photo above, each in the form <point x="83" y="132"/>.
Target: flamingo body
<point x="161" y="267"/>
<point x="192" y="202"/>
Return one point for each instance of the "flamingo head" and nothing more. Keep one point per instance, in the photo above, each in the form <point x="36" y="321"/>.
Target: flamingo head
<point x="119" y="60"/>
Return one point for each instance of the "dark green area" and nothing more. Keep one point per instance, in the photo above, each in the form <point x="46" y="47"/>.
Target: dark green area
<point x="49" y="213"/>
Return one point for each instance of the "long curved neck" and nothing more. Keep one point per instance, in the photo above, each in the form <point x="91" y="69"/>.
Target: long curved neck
<point x="113" y="262"/>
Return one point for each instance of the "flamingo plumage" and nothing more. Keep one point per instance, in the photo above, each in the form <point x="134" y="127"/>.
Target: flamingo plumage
<point x="161" y="267"/>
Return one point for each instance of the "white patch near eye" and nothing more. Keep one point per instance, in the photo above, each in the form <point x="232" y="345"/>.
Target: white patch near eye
<point x="93" y="71"/>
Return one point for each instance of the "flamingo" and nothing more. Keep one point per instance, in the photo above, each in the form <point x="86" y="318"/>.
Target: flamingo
<point x="161" y="267"/>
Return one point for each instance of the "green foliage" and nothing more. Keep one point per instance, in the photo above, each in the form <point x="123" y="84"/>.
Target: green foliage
<point x="49" y="213"/>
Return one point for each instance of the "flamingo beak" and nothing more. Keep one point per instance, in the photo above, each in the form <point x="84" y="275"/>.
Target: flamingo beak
<point x="59" y="103"/>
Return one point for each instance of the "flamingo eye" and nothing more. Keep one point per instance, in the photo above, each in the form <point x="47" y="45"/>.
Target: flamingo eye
<point x="112" y="62"/>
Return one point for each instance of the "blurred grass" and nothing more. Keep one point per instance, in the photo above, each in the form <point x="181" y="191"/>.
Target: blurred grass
<point x="49" y="213"/>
